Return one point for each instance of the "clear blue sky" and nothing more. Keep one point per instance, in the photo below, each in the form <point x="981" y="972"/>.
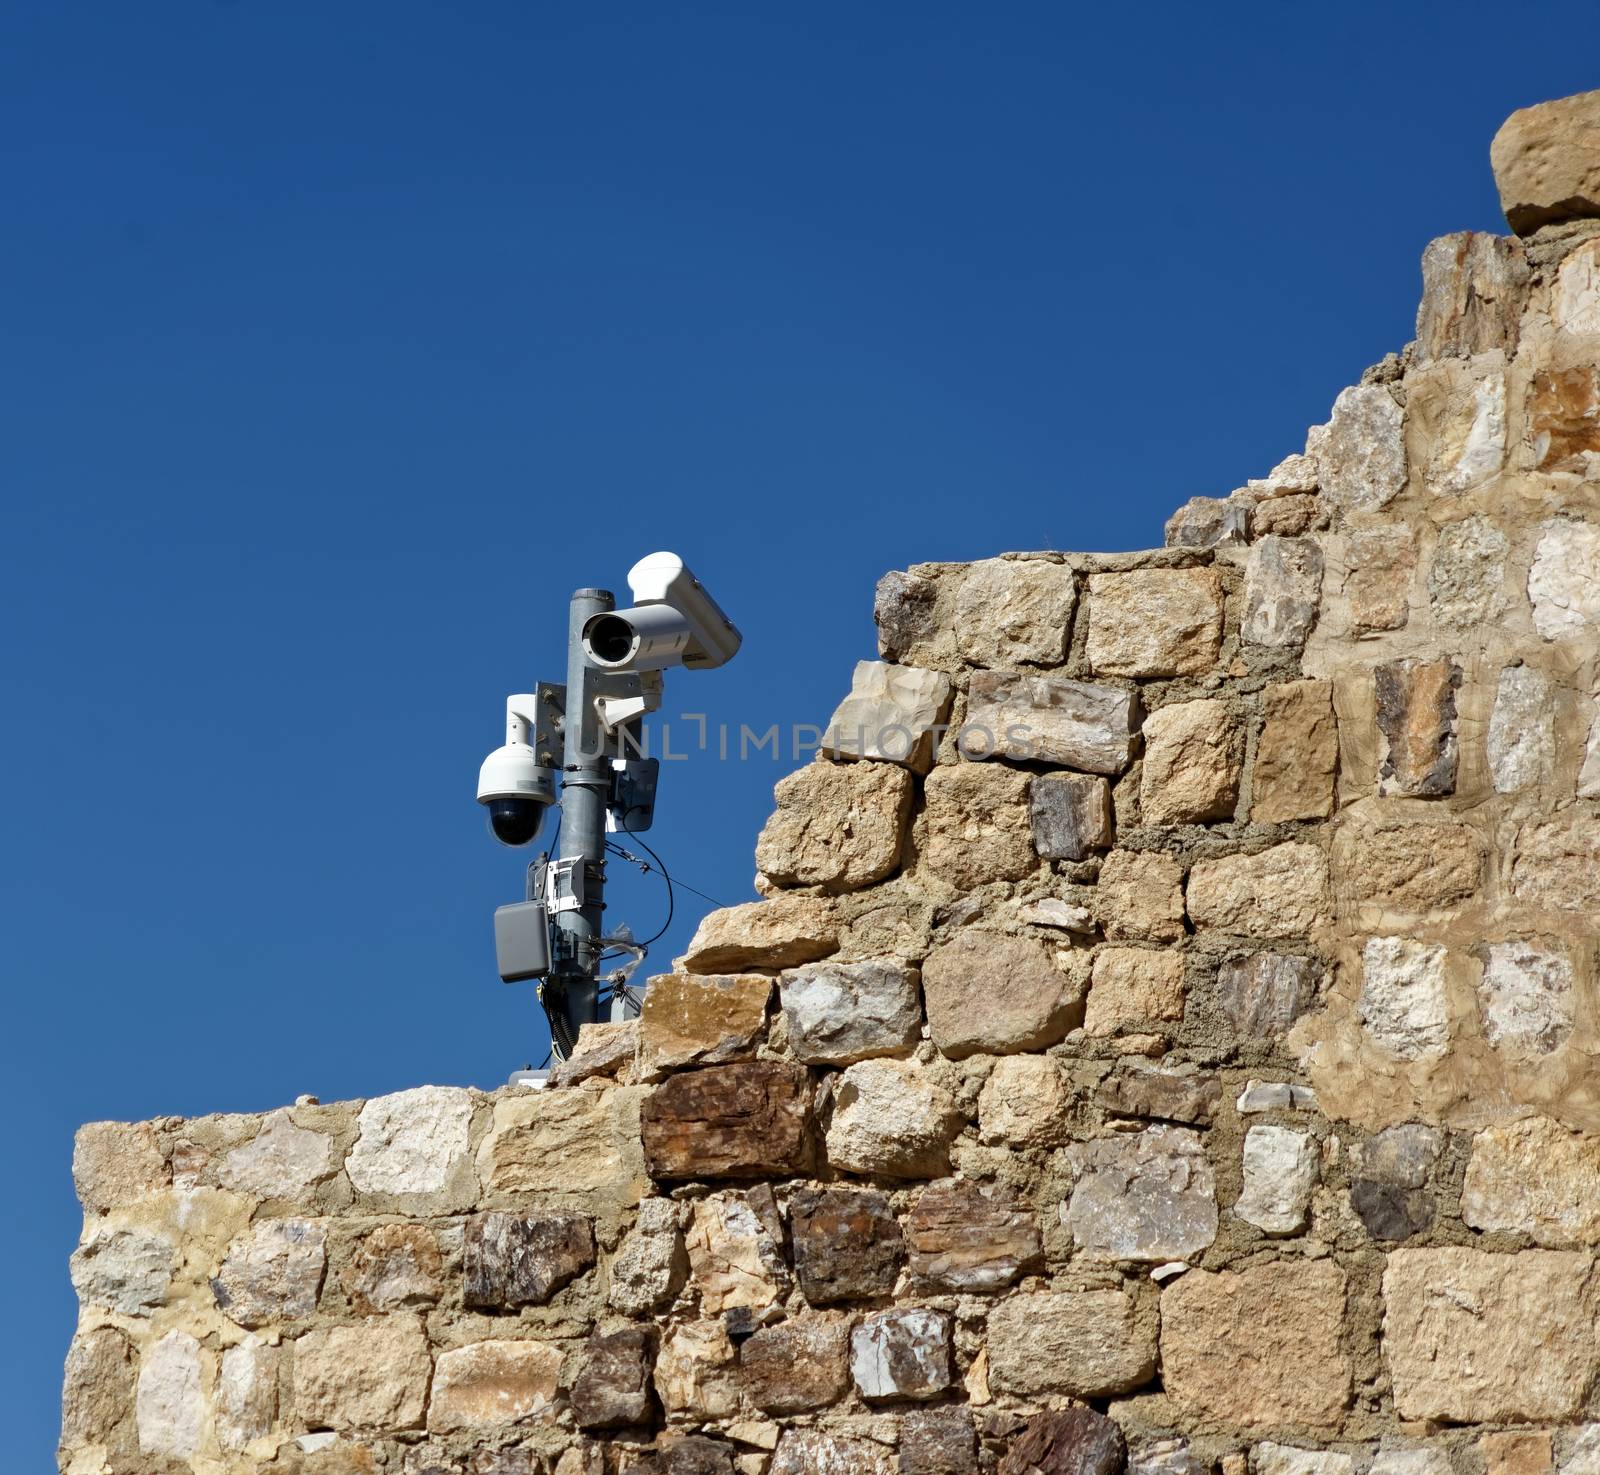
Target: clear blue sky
<point x="341" y="342"/>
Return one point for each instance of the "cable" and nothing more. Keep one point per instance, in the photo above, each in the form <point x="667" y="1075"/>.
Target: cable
<point x="666" y="875"/>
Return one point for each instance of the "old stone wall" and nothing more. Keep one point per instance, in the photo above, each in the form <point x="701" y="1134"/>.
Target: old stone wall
<point x="1165" y="1041"/>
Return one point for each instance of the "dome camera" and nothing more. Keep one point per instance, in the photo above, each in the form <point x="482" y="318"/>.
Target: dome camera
<point x="513" y="785"/>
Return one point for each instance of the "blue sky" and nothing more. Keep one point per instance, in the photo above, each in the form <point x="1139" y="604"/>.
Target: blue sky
<point x="342" y="342"/>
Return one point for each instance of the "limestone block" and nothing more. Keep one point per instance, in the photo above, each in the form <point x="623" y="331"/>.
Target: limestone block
<point x="907" y="609"/>
<point x="247" y="1393"/>
<point x="1280" y="1170"/>
<point x="974" y="825"/>
<point x="798" y="1365"/>
<point x="938" y="1441"/>
<point x="1013" y="612"/>
<point x="1282" y="592"/>
<point x="1070" y="814"/>
<point x="98" y="1389"/>
<point x="612" y="1389"/>
<point x="493" y="1384"/>
<point x="1262" y="994"/>
<point x="694" y="1454"/>
<point x="836" y="825"/>
<point x="1521" y="744"/>
<point x="1474" y="287"/>
<point x="1474" y="1338"/>
<point x="170" y="1405"/>
<point x="696" y="1374"/>
<point x="966" y="1238"/>
<point x="1409" y="866"/>
<point x="1297" y="756"/>
<point x="1564" y="581"/>
<point x="272" y="1272"/>
<point x="1049" y="719"/>
<point x="1526" y="998"/>
<point x="1289" y="516"/>
<point x="115" y="1164"/>
<point x="1208" y="522"/>
<point x="1404" y="1002"/>
<point x="1467" y="579"/>
<point x="1166" y="1457"/>
<point x="1192" y="760"/>
<point x="1534" y="1177"/>
<point x="1294" y="474"/>
<point x="890" y="715"/>
<point x="1457" y="426"/>
<point x="1259" y="1096"/>
<point x="901" y="1354"/>
<point x="651" y="1265"/>
<point x="701" y="1019"/>
<point x="1402" y="1155"/>
<point x="1390" y="1213"/>
<point x="1581" y="1455"/>
<point x="1280" y="892"/>
<point x="890" y="1118"/>
<point x="847" y="1244"/>
<point x="1377" y="587"/>
<point x="996" y="994"/>
<point x="1362" y="459"/>
<point x="1155" y="622"/>
<point x="1563" y="420"/>
<point x="1133" y="986"/>
<point x="512" y="1260"/>
<point x="1024" y="1103"/>
<point x="729" y="1121"/>
<point x="734" y="1258"/>
<point x="602" y="1049"/>
<point x="1589" y="774"/>
<point x="1085" y="1344"/>
<point x="565" y="1142"/>
<point x="1416" y="703"/>
<point x="1145" y="1196"/>
<point x="282" y="1161"/>
<point x="1284" y="1459"/>
<point x="1546" y="161"/>
<point x="1140" y="897"/>
<point x="1517" y="1452"/>
<point x="371" y="1376"/>
<point x="396" y="1265"/>
<point x="819" y="1452"/>
<point x="1557" y="864"/>
<point x="1074" y="1441"/>
<point x="839" y="1013"/>
<point x="1182" y="1094"/>
<point x="413" y="1142"/>
<point x="1424" y="1461"/>
<point x="126" y="1270"/>
<point x="1230" y="1355"/>
<point x="781" y="932"/>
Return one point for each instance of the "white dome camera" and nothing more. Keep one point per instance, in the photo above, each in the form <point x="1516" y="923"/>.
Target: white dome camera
<point x="512" y="784"/>
<point x="673" y="622"/>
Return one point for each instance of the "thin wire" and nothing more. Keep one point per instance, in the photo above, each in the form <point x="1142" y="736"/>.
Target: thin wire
<point x="666" y="875"/>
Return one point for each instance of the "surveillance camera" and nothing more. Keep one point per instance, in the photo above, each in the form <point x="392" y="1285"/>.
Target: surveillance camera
<point x="512" y="784"/>
<point x="673" y="622"/>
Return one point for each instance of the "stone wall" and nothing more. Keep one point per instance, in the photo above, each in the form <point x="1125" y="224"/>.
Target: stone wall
<point x="1164" y="1042"/>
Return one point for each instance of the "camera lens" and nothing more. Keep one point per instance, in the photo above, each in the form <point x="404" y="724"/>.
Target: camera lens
<point x="610" y="638"/>
<point x="515" y="821"/>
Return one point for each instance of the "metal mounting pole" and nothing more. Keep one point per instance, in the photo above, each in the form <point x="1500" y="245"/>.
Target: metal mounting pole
<point x="585" y="787"/>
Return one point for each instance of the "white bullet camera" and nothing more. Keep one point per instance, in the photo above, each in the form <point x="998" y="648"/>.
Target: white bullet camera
<point x="673" y="622"/>
<point x="514" y="786"/>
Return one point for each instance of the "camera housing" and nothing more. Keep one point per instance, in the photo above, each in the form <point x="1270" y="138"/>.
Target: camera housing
<point x="673" y="622"/>
<point x="513" y="784"/>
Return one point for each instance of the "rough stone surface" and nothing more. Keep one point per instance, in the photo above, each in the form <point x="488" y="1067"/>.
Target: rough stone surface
<point x="512" y="1260"/>
<point x="963" y="1237"/>
<point x="1474" y="287"/>
<point x="1557" y="864"/>
<point x="115" y="1164"/>
<point x="370" y="1376"/>
<point x="566" y="1142"/>
<point x="1404" y="1003"/>
<point x="1280" y="1170"/>
<point x="1285" y="1459"/>
<point x="1534" y="1177"/>
<point x="1070" y="814"/>
<point x="988" y="992"/>
<point x="1193" y="757"/>
<point x="170" y="1404"/>
<point x="1207" y="522"/>
<point x="901" y="1354"/>
<point x="735" y="1258"/>
<point x="1012" y="612"/>
<point x="847" y="1244"/>
<point x="247" y="1393"/>
<point x="1155" y="622"/>
<point x="98" y="1389"/>
<point x="395" y="1265"/>
<point x="696" y="1373"/>
<point x="1417" y="749"/>
<point x="1087" y="1344"/>
<point x="1049" y="719"/>
<point x="938" y="1441"/>
<point x="1024" y="1102"/>
<point x="1149" y="1196"/>
<point x="1466" y="580"/>
<point x="652" y="1264"/>
<point x="613" y="1388"/>
<point x="1377" y="586"/>
<point x="1526" y="998"/>
<point x="701" y="1019"/>
<point x="1283" y="591"/>
<point x="1564" y="581"/>
<point x="891" y="1118"/>
<point x="974" y="826"/>
<point x="1140" y="897"/>
<point x="1297" y="755"/>
<point x="1362" y="459"/>
<point x="729" y="1121"/>
<point x="282" y="1161"/>
<point x="1281" y="892"/>
<point x="1409" y="867"/>
<point x="798" y="1365"/>
<point x="1131" y="987"/>
<point x="1228" y="1353"/>
<point x="1262" y="994"/>
<point x="272" y="1272"/>
<point x="1472" y="1337"/>
<point x="492" y="1384"/>
<point x="1185" y="1094"/>
<point x="603" y="1049"/>
<point x="837" y="825"/>
<point x="124" y="1270"/>
<point x="413" y="1142"/>
<point x="819" y="1452"/>
<point x="1546" y="162"/>
<point x="1074" y="1441"/>
<point x="1521" y="744"/>
<point x="839" y="1013"/>
<point x="890" y="715"/>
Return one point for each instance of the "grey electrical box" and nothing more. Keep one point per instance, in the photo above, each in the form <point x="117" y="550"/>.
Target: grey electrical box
<point x="522" y="940"/>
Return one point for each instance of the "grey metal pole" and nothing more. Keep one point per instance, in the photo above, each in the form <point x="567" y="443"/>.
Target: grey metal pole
<point x="585" y="784"/>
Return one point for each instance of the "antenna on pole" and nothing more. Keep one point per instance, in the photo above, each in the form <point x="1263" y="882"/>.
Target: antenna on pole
<point x="581" y="746"/>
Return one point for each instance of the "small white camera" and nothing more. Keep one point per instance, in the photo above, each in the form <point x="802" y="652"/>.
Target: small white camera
<point x="673" y="622"/>
<point x="513" y="784"/>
